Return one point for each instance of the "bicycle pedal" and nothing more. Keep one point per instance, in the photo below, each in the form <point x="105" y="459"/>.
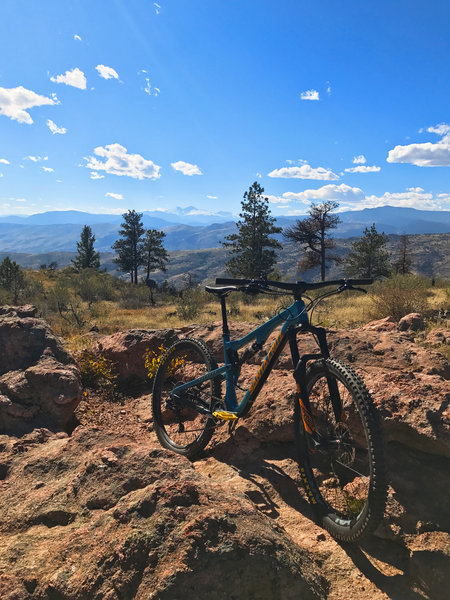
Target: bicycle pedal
<point x="225" y="415"/>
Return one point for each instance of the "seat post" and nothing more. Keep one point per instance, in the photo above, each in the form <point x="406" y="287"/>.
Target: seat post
<point x="225" y="330"/>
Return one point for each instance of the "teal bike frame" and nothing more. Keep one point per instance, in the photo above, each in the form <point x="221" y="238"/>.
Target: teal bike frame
<point x="291" y="317"/>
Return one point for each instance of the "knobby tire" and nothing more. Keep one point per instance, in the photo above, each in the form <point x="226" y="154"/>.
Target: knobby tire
<point x="345" y="480"/>
<point x="179" y="427"/>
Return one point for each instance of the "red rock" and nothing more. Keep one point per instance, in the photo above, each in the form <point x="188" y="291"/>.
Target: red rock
<point x="411" y="322"/>
<point x="100" y="516"/>
<point x="126" y="350"/>
<point x="107" y="515"/>
<point x="438" y="337"/>
<point x="386" y="324"/>
<point x="39" y="380"/>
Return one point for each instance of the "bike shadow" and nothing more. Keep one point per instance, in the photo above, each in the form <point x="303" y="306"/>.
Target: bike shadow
<point x="386" y="565"/>
<point x="383" y="562"/>
<point x="245" y="453"/>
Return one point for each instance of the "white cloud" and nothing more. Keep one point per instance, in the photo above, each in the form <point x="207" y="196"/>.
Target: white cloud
<point x="119" y="162"/>
<point x="441" y="129"/>
<point x="363" y="169"/>
<point x="95" y="175"/>
<point x="54" y="127"/>
<point x="36" y="158"/>
<point x="426" y="154"/>
<point x="1" y="174"/>
<point x="151" y="91"/>
<point x="107" y="72"/>
<point x="212" y="197"/>
<point x="20" y="200"/>
<point x="338" y="193"/>
<point x="186" y="168"/>
<point x="48" y="169"/>
<point x="77" y="37"/>
<point x="259" y="175"/>
<point x="309" y="95"/>
<point x="412" y="198"/>
<point x="116" y="196"/>
<point x="157" y="7"/>
<point x="305" y="171"/>
<point x="4" y="161"/>
<point x="14" y="103"/>
<point x="353" y="198"/>
<point x="359" y="160"/>
<point x="74" y="78"/>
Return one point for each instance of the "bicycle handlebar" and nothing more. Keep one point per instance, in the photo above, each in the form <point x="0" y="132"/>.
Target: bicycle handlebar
<point x="299" y="286"/>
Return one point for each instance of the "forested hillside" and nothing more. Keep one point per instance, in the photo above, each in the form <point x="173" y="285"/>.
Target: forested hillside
<point x="430" y="256"/>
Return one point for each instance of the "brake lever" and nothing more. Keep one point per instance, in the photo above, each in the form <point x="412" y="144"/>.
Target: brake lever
<point x="346" y="286"/>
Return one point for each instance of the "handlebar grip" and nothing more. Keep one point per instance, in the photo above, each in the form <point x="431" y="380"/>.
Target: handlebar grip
<point x="361" y="281"/>
<point x="228" y="281"/>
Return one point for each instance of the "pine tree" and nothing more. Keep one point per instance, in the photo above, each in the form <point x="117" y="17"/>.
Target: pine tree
<point x="156" y="256"/>
<point x="311" y="234"/>
<point x="11" y="278"/>
<point x="404" y="261"/>
<point x="252" y="248"/>
<point x="87" y="257"/>
<point x="367" y="257"/>
<point x="129" y="248"/>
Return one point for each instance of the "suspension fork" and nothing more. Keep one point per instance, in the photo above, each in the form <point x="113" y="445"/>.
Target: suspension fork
<point x="300" y="376"/>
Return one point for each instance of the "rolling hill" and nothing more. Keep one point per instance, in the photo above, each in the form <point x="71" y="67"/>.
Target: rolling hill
<point x="188" y="230"/>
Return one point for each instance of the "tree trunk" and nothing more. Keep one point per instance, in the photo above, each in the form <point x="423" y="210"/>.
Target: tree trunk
<point x="322" y="253"/>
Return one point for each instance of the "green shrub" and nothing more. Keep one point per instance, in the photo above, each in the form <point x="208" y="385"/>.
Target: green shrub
<point x="399" y="296"/>
<point x="190" y="302"/>
<point x="134" y="296"/>
<point x="98" y="373"/>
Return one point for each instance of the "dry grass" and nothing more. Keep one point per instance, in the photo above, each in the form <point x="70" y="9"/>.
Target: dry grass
<point x="347" y="310"/>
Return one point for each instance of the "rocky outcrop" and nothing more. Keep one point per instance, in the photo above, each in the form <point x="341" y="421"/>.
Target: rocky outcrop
<point x="108" y="514"/>
<point x="27" y="310"/>
<point x="438" y="337"/>
<point x="99" y="516"/>
<point x="39" y="381"/>
<point x="126" y="350"/>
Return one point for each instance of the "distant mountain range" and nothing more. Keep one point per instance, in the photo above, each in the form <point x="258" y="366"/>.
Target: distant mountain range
<point x="190" y="228"/>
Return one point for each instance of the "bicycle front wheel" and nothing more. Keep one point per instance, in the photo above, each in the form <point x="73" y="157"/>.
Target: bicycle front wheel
<point x="180" y="420"/>
<point x="344" y="474"/>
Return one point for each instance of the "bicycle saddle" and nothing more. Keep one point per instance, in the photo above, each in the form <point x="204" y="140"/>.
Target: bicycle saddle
<point x="220" y="291"/>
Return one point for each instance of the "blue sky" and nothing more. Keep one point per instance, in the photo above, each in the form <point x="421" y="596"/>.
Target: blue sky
<point x="107" y="106"/>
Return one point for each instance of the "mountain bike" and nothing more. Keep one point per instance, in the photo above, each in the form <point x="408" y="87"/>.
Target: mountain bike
<point x="337" y="429"/>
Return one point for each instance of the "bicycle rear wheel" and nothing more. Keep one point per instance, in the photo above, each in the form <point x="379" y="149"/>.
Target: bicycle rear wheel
<point x="344" y="476"/>
<point x="179" y="425"/>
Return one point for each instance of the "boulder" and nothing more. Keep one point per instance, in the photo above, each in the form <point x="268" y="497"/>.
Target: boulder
<point x="411" y="322"/>
<point x="127" y="349"/>
<point x="39" y="380"/>
<point x="386" y="324"/>
<point x="98" y="515"/>
<point x="27" y="310"/>
<point x="438" y="337"/>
